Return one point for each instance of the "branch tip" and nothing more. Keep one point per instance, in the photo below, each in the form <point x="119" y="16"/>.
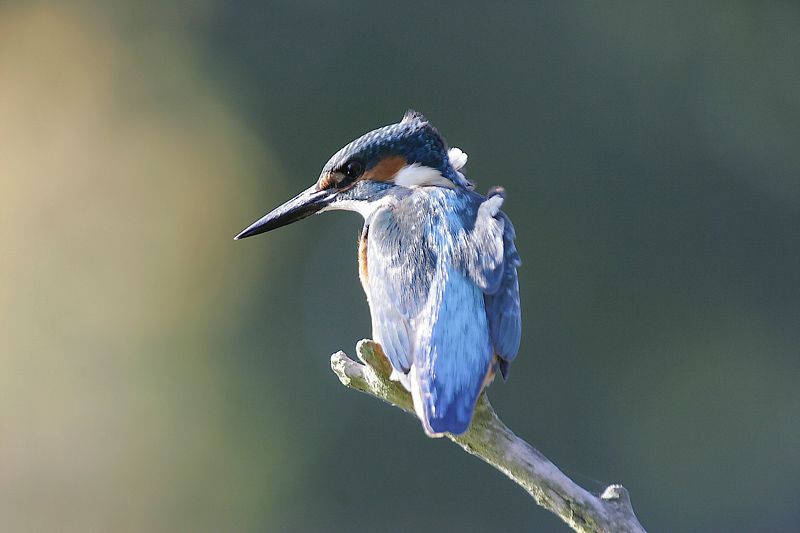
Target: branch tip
<point x="616" y="493"/>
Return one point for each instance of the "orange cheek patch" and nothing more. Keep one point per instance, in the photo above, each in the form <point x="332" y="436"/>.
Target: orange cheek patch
<point x="386" y="169"/>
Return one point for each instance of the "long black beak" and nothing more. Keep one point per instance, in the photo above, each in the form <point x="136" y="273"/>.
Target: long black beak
<point x="301" y="206"/>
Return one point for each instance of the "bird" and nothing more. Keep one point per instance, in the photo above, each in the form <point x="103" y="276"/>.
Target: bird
<point x="437" y="262"/>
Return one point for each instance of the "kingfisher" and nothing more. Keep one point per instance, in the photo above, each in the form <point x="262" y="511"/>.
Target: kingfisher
<point x="436" y="259"/>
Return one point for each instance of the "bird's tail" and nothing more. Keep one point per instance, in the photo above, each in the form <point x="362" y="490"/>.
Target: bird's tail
<point x="452" y="360"/>
<point x="439" y="412"/>
<point x="446" y="378"/>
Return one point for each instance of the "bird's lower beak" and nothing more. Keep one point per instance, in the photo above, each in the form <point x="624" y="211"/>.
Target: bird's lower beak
<point x="301" y="206"/>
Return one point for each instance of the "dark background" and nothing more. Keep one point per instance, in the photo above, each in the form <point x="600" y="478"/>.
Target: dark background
<point x="157" y="376"/>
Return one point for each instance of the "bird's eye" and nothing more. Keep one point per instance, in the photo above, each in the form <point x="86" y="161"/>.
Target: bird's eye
<point x="352" y="169"/>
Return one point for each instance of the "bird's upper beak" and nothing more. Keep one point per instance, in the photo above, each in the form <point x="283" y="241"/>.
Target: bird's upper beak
<point x="305" y="204"/>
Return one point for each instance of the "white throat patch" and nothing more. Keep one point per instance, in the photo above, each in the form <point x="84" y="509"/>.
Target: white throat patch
<point x="365" y="209"/>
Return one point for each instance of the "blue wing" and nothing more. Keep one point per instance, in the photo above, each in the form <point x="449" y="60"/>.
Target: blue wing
<point x="400" y="267"/>
<point x="491" y="260"/>
<point x="502" y="306"/>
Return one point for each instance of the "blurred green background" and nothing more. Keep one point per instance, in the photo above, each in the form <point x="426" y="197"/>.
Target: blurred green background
<point x="157" y="376"/>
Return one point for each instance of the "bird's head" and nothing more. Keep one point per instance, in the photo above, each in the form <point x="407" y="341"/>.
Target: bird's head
<point x="410" y="153"/>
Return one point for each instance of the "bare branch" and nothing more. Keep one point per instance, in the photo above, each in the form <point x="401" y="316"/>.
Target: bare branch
<point x="489" y="439"/>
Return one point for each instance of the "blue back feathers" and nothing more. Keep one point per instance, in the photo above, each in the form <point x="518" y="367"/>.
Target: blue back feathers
<point x="444" y="297"/>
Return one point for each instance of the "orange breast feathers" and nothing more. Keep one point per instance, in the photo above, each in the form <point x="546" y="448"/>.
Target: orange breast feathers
<point x="363" y="275"/>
